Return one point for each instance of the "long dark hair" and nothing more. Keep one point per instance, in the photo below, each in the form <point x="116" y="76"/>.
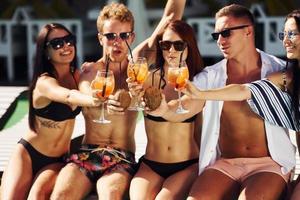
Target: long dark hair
<point x="186" y="33"/>
<point x="43" y="65"/>
<point x="295" y="68"/>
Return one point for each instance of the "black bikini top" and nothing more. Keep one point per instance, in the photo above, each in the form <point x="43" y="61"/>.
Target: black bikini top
<point x="57" y="111"/>
<point x="160" y="119"/>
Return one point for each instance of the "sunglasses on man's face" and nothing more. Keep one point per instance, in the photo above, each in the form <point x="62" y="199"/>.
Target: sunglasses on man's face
<point x="289" y="34"/>
<point x="178" y="45"/>
<point x="226" y="33"/>
<point x="58" y="43"/>
<point x="114" y="36"/>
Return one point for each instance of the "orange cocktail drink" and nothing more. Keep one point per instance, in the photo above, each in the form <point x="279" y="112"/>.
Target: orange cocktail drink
<point x="103" y="86"/>
<point x="177" y="76"/>
<point x="138" y="71"/>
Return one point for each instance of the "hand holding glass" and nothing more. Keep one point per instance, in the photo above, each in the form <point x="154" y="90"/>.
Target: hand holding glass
<point x="138" y="71"/>
<point x="177" y="76"/>
<point x="103" y="85"/>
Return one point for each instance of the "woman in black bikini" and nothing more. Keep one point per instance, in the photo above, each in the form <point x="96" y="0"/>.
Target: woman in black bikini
<point x="54" y="103"/>
<point x="170" y="163"/>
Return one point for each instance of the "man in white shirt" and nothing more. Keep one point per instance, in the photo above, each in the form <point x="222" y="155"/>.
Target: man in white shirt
<point x="239" y="152"/>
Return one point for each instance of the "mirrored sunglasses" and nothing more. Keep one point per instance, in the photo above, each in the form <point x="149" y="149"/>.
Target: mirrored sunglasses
<point x="58" y="43"/>
<point x="178" y="45"/>
<point x="290" y="35"/>
<point x="226" y="33"/>
<point x="114" y="36"/>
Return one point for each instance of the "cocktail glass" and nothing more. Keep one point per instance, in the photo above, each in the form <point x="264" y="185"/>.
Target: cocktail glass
<point x="177" y="76"/>
<point x="103" y="85"/>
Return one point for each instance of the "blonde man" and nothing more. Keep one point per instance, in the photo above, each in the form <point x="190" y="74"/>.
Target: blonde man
<point x="106" y="158"/>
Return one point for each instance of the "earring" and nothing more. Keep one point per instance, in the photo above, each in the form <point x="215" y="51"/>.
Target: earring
<point x="48" y="57"/>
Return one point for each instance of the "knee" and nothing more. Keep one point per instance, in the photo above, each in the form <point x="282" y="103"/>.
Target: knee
<point x="68" y="194"/>
<point x="112" y="190"/>
<point x="38" y="195"/>
<point x="200" y="198"/>
<point x="203" y="196"/>
<point x="58" y="194"/>
<point x="39" y="192"/>
<point x="191" y="198"/>
<point x="167" y="194"/>
<point x="198" y="193"/>
<point x="138" y="195"/>
<point x="164" y="195"/>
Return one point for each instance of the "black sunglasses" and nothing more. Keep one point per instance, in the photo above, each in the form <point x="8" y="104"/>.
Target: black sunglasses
<point x="226" y="33"/>
<point x="114" y="36"/>
<point x="58" y="43"/>
<point x="178" y="45"/>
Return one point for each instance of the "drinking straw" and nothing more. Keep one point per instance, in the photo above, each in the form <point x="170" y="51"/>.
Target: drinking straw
<point x="180" y="59"/>
<point x="107" y="60"/>
<point x="106" y="72"/>
<point x="131" y="56"/>
<point x="129" y="50"/>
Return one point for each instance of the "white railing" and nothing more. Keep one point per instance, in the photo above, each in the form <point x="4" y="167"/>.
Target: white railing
<point x="203" y="28"/>
<point x="9" y="48"/>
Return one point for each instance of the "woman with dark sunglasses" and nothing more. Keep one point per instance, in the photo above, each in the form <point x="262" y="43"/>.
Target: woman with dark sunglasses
<point x="170" y="164"/>
<point x="54" y="102"/>
<point x="275" y="98"/>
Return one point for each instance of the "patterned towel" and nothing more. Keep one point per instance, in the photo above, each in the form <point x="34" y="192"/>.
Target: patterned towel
<point x="272" y="104"/>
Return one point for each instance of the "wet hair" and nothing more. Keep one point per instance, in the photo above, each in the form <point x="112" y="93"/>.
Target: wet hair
<point x="116" y="11"/>
<point x="236" y="11"/>
<point x="43" y="65"/>
<point x="295" y="68"/>
<point x="186" y="33"/>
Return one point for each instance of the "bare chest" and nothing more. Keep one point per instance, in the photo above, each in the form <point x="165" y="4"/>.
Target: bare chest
<point x="242" y="132"/>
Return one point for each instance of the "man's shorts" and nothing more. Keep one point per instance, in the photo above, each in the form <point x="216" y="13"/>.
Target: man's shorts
<point x="240" y="169"/>
<point x="95" y="161"/>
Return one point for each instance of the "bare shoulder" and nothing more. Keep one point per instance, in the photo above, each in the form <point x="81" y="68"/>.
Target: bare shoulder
<point x="45" y="85"/>
<point x="277" y="78"/>
<point x="45" y="81"/>
<point x="90" y="70"/>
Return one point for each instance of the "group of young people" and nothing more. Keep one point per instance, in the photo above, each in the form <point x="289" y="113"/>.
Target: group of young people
<point x="223" y="148"/>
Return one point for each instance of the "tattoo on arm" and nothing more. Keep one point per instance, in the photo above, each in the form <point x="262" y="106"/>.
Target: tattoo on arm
<point x="50" y="124"/>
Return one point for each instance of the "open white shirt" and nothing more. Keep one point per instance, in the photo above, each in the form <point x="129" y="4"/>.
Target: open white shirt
<point x="280" y="147"/>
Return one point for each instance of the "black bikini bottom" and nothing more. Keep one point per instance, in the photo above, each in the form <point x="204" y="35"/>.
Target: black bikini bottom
<point x="167" y="169"/>
<point x="39" y="160"/>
